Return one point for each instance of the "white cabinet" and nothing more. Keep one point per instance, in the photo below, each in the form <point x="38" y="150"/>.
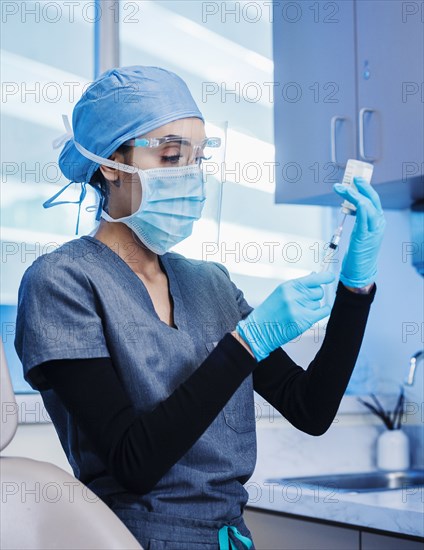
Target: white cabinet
<point x="350" y="81"/>
<point x="371" y="541"/>
<point x="273" y="531"/>
<point x="277" y="532"/>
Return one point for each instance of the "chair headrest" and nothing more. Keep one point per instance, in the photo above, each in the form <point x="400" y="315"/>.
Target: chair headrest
<point x="9" y="407"/>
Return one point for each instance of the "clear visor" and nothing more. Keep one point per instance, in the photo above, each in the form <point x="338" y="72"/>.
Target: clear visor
<point x="189" y="144"/>
<point x="204" y="241"/>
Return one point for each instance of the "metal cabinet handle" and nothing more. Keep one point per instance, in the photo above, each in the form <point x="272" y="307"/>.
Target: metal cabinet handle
<point x="361" y="134"/>
<point x="333" y="124"/>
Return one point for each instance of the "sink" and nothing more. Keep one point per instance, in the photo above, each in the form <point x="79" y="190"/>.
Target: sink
<point x="359" y="482"/>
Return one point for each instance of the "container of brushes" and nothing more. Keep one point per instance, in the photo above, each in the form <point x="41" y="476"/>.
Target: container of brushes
<point x="393" y="443"/>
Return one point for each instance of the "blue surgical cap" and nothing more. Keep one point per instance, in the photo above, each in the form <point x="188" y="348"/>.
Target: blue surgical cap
<point x="121" y="104"/>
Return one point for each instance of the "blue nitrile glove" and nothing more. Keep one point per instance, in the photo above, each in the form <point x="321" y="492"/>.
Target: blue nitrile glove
<point x="291" y="309"/>
<point x="359" y="267"/>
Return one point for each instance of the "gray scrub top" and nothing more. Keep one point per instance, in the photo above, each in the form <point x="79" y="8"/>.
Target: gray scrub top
<point x="83" y="301"/>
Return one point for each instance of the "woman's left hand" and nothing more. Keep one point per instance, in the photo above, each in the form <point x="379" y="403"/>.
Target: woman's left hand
<point x="359" y="267"/>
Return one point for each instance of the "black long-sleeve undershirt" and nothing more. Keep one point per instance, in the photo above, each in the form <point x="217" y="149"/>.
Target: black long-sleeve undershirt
<point x="309" y="399"/>
<point x="139" y="449"/>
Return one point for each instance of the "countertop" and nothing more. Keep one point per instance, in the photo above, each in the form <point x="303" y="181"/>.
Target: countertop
<point x="284" y="452"/>
<point x="395" y="511"/>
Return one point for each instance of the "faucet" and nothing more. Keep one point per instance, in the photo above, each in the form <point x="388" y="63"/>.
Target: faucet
<point x="412" y="367"/>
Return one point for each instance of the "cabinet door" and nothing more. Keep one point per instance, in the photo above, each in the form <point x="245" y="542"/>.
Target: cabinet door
<point x="314" y="70"/>
<point x="390" y="68"/>
<point x="274" y="532"/>
<point x="370" y="541"/>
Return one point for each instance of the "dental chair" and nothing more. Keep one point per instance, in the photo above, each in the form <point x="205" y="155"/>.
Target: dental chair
<point x="42" y="506"/>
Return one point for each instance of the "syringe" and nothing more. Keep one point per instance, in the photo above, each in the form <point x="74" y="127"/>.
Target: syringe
<point x="354" y="169"/>
<point x="333" y="245"/>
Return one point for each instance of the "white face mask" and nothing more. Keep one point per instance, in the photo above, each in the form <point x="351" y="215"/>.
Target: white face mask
<point x="172" y="200"/>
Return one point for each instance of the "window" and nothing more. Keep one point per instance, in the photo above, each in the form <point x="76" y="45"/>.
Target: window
<point x="223" y="50"/>
<point x="46" y="60"/>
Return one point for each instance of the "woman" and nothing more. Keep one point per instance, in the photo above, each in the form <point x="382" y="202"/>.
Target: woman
<point x="146" y="360"/>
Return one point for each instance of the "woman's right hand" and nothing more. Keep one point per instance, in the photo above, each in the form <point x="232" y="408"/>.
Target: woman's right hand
<point x="290" y="310"/>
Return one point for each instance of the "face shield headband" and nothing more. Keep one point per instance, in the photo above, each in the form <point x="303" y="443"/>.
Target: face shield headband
<point x="57" y="143"/>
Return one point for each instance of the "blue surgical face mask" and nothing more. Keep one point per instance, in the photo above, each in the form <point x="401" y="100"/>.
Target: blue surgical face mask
<point x="172" y="200"/>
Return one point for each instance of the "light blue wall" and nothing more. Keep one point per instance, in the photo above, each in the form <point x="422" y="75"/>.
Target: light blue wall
<point x="398" y="305"/>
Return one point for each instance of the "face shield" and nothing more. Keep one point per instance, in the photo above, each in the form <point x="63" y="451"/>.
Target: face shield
<point x="170" y="186"/>
<point x="206" y="231"/>
<point x="175" y="192"/>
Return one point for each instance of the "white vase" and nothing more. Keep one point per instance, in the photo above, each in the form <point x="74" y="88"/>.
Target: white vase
<point x="393" y="450"/>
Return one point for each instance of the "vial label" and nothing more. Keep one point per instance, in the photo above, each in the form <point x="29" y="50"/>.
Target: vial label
<point x="355" y="169"/>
